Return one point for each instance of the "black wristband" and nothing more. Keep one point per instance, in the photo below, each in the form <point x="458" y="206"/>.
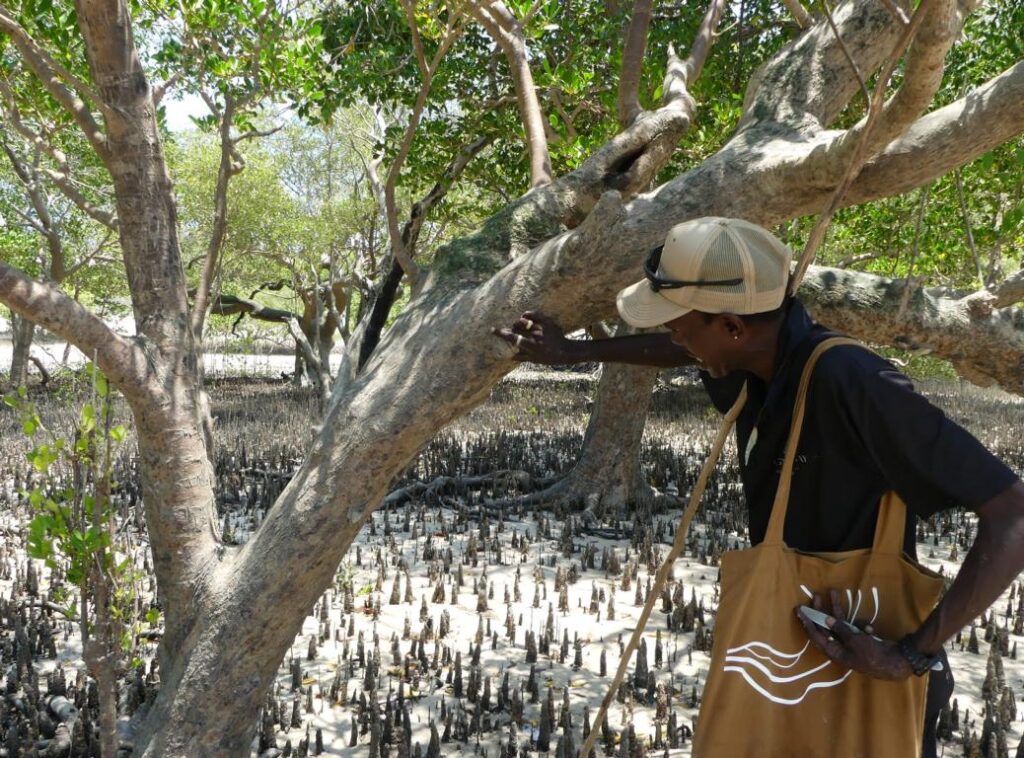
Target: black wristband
<point x="919" y="662"/>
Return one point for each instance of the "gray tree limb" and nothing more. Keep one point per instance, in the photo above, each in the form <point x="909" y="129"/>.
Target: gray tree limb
<point x="632" y="62"/>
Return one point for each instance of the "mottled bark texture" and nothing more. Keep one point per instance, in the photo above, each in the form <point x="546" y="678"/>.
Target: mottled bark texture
<point x="22" y="332"/>
<point x="565" y="248"/>
<point x="606" y="480"/>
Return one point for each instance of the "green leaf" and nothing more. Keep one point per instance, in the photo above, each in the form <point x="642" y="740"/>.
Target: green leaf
<point x="87" y="419"/>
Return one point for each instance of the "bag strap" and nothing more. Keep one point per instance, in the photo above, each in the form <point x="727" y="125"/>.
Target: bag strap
<point x="889" y="529"/>
<point x="773" y="536"/>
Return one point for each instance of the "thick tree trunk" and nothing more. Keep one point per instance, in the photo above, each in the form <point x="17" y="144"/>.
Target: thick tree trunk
<point x="22" y="333"/>
<point x="606" y="479"/>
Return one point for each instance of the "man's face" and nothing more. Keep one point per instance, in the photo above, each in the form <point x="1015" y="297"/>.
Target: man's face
<point x="712" y="344"/>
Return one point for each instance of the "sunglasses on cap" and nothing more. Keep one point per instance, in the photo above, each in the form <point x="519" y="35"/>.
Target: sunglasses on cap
<point x="659" y="283"/>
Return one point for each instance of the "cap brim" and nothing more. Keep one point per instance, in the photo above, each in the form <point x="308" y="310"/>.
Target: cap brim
<point x="642" y="307"/>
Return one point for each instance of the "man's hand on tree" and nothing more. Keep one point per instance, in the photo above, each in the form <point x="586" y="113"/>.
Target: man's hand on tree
<point x="538" y="339"/>
<point x="860" y="651"/>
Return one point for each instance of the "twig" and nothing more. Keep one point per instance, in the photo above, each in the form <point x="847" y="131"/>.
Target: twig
<point x="915" y="248"/>
<point x="968" y="233"/>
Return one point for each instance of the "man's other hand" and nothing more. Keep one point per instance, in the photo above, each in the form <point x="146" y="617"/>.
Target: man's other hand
<point x="860" y="651"/>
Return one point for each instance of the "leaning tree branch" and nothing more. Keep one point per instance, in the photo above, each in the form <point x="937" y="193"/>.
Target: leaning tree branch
<point x="809" y="83"/>
<point x="946" y="138"/>
<point x="1010" y="291"/>
<point x="122" y="360"/>
<point x="632" y="62"/>
<point x="502" y="24"/>
<point x="70" y="92"/>
<point x="231" y="305"/>
<point x="985" y="345"/>
<point x="933" y="28"/>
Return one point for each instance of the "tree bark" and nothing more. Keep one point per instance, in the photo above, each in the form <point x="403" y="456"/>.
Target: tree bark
<point x="606" y="479"/>
<point x="22" y="334"/>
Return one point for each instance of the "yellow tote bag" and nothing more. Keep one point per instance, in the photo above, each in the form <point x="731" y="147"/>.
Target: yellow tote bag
<point x="770" y="691"/>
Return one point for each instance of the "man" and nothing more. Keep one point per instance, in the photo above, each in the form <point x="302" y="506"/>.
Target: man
<point x="719" y="287"/>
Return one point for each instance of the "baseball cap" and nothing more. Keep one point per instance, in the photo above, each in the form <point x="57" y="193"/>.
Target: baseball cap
<point x="713" y="265"/>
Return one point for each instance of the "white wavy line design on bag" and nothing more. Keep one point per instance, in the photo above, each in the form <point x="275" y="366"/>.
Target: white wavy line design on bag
<point x="782" y="700"/>
<point x="751" y="647"/>
<point x="754" y="646"/>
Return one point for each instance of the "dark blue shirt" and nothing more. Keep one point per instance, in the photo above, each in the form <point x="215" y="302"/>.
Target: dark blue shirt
<point x="865" y="431"/>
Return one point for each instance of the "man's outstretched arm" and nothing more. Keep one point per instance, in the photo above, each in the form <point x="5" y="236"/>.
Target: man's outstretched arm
<point x="540" y="340"/>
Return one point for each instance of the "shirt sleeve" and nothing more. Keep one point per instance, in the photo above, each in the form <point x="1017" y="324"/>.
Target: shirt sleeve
<point x="932" y="463"/>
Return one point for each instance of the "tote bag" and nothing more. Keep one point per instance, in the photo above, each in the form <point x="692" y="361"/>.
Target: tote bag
<point x="770" y="691"/>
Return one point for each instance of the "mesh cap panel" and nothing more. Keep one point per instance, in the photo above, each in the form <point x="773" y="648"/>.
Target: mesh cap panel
<point x="722" y="260"/>
<point x="760" y="245"/>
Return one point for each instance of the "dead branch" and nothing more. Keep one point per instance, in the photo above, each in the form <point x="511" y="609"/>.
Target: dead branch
<point x="431" y="492"/>
<point x="42" y="369"/>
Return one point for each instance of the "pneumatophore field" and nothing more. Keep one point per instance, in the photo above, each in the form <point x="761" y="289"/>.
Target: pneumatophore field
<point x="462" y="619"/>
